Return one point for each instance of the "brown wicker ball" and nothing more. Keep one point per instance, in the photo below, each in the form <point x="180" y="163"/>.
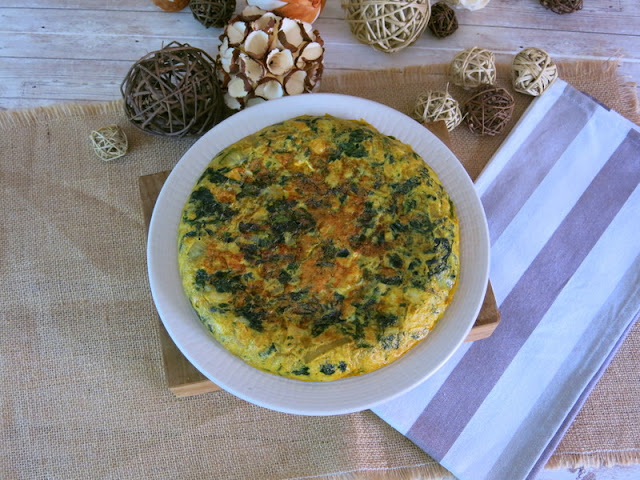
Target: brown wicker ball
<point x="489" y="110"/>
<point x="213" y="13"/>
<point x="173" y="92"/>
<point x="562" y="6"/>
<point x="443" y="21"/>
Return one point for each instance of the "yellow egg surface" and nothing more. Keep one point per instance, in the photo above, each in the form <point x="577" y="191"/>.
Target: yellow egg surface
<point x="319" y="248"/>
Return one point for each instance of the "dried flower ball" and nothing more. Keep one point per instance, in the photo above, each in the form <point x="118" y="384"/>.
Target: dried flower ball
<point x="173" y="92"/>
<point x="387" y="26"/>
<point x="109" y="142"/>
<point x="489" y="110"/>
<point x="562" y="6"/>
<point x="443" y="21"/>
<point x="213" y="13"/>
<point x="533" y="71"/>
<point x="434" y="106"/>
<point x="263" y="56"/>
<point x="473" y="67"/>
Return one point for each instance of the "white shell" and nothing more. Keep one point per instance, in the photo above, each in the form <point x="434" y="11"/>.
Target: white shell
<point x="270" y="89"/>
<point x="236" y="32"/>
<point x="309" y="31"/>
<point x="290" y="29"/>
<point x="253" y="69"/>
<point x="294" y="83"/>
<point x="267" y="22"/>
<point x="232" y="102"/>
<point x="255" y="101"/>
<point x="279" y="62"/>
<point x="312" y="51"/>
<point x="257" y="43"/>
<point x="237" y="87"/>
<point x="225" y="63"/>
<point x="252" y="11"/>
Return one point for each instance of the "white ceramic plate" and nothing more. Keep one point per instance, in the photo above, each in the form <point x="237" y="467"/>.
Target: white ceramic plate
<point x="295" y="396"/>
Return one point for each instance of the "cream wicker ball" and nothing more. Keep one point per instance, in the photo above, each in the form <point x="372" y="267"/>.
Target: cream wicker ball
<point x="473" y="67"/>
<point x="109" y="142"/>
<point x="434" y="106"/>
<point x="533" y="71"/>
<point x="387" y="25"/>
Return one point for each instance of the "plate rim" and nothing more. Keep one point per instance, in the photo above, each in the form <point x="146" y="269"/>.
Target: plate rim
<point x="333" y="103"/>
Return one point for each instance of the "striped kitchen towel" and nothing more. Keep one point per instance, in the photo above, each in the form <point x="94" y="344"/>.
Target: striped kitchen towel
<point x="563" y="207"/>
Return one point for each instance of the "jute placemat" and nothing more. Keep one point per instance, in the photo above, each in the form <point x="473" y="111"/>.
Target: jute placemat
<point x="83" y="387"/>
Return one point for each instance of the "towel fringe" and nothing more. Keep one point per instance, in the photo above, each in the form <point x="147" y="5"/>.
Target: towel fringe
<point x="593" y="459"/>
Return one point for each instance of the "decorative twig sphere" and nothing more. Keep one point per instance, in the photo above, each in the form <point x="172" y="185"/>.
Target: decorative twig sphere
<point x="213" y="13"/>
<point x="443" y="21"/>
<point x="473" y="67"/>
<point x="489" y="110"/>
<point x="173" y="92"/>
<point x="533" y="71"/>
<point x="387" y="25"/>
<point x="562" y="6"/>
<point x="109" y="142"/>
<point x="434" y="106"/>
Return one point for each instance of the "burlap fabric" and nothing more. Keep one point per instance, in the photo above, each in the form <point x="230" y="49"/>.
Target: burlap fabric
<point x="84" y="394"/>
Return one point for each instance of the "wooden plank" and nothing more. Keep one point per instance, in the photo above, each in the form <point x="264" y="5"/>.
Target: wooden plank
<point x="183" y="379"/>
<point x="342" y="49"/>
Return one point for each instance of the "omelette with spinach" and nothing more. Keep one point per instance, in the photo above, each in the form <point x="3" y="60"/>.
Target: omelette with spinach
<point x="319" y="248"/>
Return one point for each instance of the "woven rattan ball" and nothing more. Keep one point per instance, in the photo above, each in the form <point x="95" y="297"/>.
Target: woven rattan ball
<point x="109" y="142"/>
<point x="489" y="110"/>
<point x="213" y="13"/>
<point x="473" y="67"/>
<point x="562" y="6"/>
<point x="533" y="71"/>
<point x="434" y="106"/>
<point x="443" y="21"/>
<point x="173" y="92"/>
<point x="387" y="25"/>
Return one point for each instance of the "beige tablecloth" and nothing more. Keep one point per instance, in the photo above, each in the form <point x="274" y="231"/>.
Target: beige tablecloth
<point x="84" y="394"/>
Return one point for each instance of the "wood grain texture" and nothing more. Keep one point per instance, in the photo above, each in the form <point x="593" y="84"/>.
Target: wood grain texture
<point x="80" y="50"/>
<point x="183" y="379"/>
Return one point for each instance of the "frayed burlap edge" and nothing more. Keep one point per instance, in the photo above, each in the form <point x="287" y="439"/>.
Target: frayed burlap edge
<point x="425" y="471"/>
<point x="604" y="458"/>
<point x="592" y="69"/>
<point x="19" y="118"/>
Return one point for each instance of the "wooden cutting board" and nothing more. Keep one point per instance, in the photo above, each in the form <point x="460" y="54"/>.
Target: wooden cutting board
<point x="184" y="380"/>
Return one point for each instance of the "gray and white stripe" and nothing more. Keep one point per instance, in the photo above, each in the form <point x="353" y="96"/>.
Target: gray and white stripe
<point x="563" y="207"/>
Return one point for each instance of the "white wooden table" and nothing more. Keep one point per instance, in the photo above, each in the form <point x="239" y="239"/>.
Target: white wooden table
<point x="54" y="51"/>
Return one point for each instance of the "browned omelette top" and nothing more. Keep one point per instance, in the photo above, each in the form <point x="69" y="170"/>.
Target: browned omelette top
<point x="319" y="248"/>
